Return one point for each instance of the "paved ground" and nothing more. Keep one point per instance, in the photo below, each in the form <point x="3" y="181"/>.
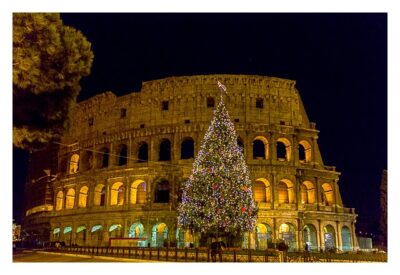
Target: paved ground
<point x="30" y="256"/>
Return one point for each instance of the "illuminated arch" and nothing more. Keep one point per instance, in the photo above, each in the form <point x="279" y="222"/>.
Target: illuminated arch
<point x="74" y="164"/>
<point x="304" y="151"/>
<point x="283" y="149"/>
<point x="260" y="148"/>
<point x="159" y="234"/>
<point x="286" y="193"/>
<point x="307" y="191"/>
<point x="136" y="230"/>
<point x="80" y="237"/>
<point x="83" y="197"/>
<point x="184" y="238"/>
<point x="138" y="192"/>
<point x="117" y="194"/>
<point x="70" y="199"/>
<point x="310" y="236"/>
<point x="115" y="230"/>
<point x="287" y="232"/>
<point x="263" y="236"/>
<point x="262" y="190"/>
<point x="327" y="194"/>
<point x="99" y="195"/>
<point x="328" y="229"/>
<point x="346" y="239"/>
<point x="59" y="200"/>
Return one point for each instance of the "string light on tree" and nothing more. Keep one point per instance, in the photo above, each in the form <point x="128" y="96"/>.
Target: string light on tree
<point x="217" y="197"/>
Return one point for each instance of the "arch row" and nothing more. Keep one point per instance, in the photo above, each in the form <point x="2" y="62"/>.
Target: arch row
<point x="162" y="234"/>
<point x="106" y="155"/>
<point x="286" y="191"/>
<point x="117" y="194"/>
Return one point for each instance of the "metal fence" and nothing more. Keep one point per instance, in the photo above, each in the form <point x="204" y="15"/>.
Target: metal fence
<point x="172" y="254"/>
<point x="175" y="254"/>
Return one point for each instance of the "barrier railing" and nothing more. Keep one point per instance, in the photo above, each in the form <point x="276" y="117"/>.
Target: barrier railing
<point x="203" y="254"/>
<point x="173" y="254"/>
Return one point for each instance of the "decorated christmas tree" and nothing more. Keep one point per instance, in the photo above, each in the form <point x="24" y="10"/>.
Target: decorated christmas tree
<point x="217" y="198"/>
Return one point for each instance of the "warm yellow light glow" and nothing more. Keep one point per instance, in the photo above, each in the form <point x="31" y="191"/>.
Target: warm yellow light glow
<point x="70" y="199"/>
<point x="83" y="196"/>
<point x="328" y="196"/>
<point x="74" y="164"/>
<point x="117" y="194"/>
<point x="262" y="190"/>
<point x="59" y="200"/>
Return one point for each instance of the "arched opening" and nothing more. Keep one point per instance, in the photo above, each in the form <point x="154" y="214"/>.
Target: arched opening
<point x="115" y="231"/>
<point x="327" y="194"/>
<point x="117" y="194"/>
<point x="240" y="144"/>
<point x="346" y="239"/>
<point x="159" y="234"/>
<point x="263" y="236"/>
<point x="329" y="237"/>
<point x="123" y="155"/>
<point x="59" y="200"/>
<point x="286" y="192"/>
<point x="96" y="235"/>
<point x="103" y="158"/>
<point x="304" y="151"/>
<point x="70" y="199"/>
<point x="67" y="235"/>
<point x="283" y="149"/>
<point x="165" y="150"/>
<point x="260" y="148"/>
<point x="262" y="190"/>
<point x="287" y="232"/>
<point x="138" y="192"/>
<point x="99" y="195"/>
<point x="87" y="161"/>
<point x="310" y="236"/>
<point x="83" y="197"/>
<point x="137" y="231"/>
<point x="161" y="194"/>
<point x="307" y="192"/>
<point x="56" y="234"/>
<point x="143" y="152"/>
<point x="184" y="238"/>
<point x="80" y="237"/>
<point x="187" y="148"/>
<point x="74" y="164"/>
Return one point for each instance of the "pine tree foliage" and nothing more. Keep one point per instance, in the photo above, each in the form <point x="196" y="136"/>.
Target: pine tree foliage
<point x="49" y="60"/>
<point x="218" y="197"/>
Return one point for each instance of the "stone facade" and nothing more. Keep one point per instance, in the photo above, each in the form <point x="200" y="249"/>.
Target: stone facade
<point x="121" y="165"/>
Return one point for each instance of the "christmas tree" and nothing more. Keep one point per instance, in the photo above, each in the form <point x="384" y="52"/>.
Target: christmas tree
<point x="217" y="198"/>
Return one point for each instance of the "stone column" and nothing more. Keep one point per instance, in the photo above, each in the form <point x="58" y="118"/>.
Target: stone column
<point x="320" y="235"/>
<point x="339" y="244"/>
<point x="272" y="148"/>
<point x="274" y="191"/>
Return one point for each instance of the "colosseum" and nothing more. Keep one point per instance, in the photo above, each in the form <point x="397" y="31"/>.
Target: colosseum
<point x="118" y="171"/>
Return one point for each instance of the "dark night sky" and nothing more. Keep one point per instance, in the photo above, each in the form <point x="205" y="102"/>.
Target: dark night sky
<point x="338" y="60"/>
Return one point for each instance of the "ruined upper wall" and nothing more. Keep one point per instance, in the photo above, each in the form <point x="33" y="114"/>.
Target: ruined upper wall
<point x="187" y="101"/>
